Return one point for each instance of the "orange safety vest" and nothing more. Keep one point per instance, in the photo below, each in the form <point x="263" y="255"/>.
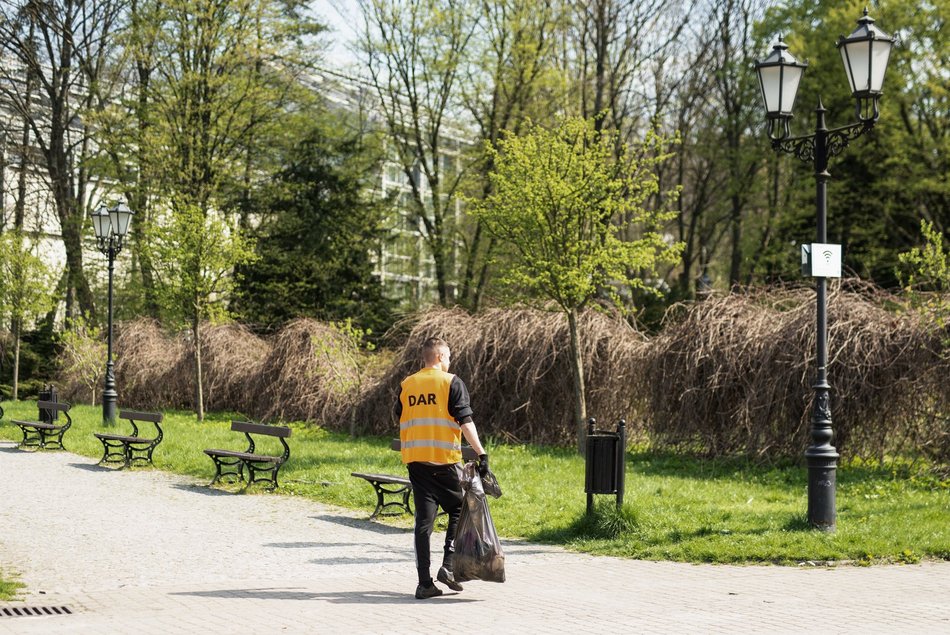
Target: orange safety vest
<point x="427" y="432"/>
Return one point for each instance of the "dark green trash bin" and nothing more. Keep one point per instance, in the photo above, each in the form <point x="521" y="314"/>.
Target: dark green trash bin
<point x="605" y="462"/>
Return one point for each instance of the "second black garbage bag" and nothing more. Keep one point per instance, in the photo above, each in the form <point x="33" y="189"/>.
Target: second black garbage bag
<point x="478" y="553"/>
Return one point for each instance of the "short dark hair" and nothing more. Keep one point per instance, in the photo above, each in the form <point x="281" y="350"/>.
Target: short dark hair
<point x="430" y="348"/>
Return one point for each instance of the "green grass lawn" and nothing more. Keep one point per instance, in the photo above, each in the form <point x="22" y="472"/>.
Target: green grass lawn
<point x="676" y="507"/>
<point x="8" y="587"/>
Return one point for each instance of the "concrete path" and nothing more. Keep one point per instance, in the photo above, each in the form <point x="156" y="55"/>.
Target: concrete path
<point x="147" y="552"/>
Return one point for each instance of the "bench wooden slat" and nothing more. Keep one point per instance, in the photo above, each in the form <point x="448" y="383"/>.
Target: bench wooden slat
<point x="260" y="428"/>
<point x="244" y="455"/>
<point x="382" y="478"/>
<point x="119" y="437"/>
<point x="135" y="415"/>
<point x="42" y="425"/>
<point x="58" y="406"/>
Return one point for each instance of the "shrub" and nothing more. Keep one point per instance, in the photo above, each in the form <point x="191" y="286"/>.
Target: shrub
<point x="733" y="374"/>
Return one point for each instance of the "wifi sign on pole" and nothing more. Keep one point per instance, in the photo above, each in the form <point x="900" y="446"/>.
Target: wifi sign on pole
<point x="821" y="260"/>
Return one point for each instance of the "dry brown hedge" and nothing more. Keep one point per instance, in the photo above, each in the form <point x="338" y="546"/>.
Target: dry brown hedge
<point x="233" y="361"/>
<point x="300" y="374"/>
<point x="516" y="366"/>
<point x="728" y="375"/>
<point x="307" y="376"/>
<point x="734" y="374"/>
<point x="153" y="370"/>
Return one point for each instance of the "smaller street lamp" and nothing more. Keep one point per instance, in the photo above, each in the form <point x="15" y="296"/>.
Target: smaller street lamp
<point x="111" y="227"/>
<point x="865" y="54"/>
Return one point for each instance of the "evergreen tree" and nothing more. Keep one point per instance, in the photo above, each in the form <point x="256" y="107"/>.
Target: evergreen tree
<point x="316" y="242"/>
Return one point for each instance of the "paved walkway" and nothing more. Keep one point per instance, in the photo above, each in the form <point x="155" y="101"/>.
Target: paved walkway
<point x="147" y="552"/>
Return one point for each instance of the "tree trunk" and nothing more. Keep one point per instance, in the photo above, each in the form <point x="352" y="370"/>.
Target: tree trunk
<point x="3" y="180"/>
<point x="199" y="393"/>
<point x="735" y="264"/>
<point x="71" y="222"/>
<point x="16" y="358"/>
<point x="580" y="395"/>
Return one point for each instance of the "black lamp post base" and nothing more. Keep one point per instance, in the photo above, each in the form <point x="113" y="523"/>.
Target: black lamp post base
<point x="109" y="407"/>
<point x="822" y="484"/>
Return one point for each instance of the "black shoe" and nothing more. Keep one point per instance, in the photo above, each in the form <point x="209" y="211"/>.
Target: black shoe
<point x="447" y="578"/>
<point x="426" y="592"/>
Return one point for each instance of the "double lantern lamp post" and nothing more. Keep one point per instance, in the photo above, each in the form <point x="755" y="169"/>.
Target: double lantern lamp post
<point x="865" y="54"/>
<point x="111" y="226"/>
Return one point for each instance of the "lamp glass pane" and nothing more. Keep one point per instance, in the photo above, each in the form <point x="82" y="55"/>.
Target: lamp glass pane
<point x="770" y="77"/>
<point x="121" y="215"/>
<point x="857" y="64"/>
<point x="880" y="52"/>
<point x="101" y="223"/>
<point x="790" y="80"/>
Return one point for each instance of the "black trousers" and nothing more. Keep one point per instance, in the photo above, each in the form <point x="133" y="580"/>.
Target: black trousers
<point x="434" y="486"/>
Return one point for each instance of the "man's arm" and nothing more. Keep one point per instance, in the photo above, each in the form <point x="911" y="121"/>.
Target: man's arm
<point x="460" y="407"/>
<point x="471" y="435"/>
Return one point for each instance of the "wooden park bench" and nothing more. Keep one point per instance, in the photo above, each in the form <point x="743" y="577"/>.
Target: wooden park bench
<point x="44" y="434"/>
<point x="389" y="485"/>
<point x="124" y="449"/>
<point x="230" y="463"/>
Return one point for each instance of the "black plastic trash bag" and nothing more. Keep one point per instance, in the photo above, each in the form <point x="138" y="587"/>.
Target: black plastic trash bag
<point x="478" y="553"/>
<point x="489" y="483"/>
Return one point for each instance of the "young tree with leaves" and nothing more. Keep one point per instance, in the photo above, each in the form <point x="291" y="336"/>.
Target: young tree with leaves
<point x="925" y="276"/>
<point x="510" y="76"/>
<point x="556" y="200"/>
<point x="25" y="289"/>
<point x="199" y="251"/>
<point x="83" y="350"/>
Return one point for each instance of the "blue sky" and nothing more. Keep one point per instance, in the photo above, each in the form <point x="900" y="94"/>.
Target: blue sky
<point x="343" y="18"/>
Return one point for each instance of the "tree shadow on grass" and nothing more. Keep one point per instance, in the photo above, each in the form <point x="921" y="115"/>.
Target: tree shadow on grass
<point x="592" y="527"/>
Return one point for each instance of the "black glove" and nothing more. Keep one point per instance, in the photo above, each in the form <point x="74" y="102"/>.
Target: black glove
<point x="482" y="465"/>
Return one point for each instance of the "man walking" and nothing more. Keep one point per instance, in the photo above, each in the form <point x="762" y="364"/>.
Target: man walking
<point x="434" y="412"/>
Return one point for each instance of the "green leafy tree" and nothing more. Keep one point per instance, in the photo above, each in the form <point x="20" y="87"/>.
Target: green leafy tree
<point x="212" y="83"/>
<point x="52" y="52"/>
<point x="925" y="276"/>
<point x="560" y="199"/>
<point x="318" y="231"/>
<point x="510" y="77"/>
<point x="198" y="250"/>
<point x="25" y="289"/>
<point x="891" y="178"/>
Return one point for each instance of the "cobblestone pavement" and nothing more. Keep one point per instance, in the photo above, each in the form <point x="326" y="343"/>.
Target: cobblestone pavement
<point x="148" y="552"/>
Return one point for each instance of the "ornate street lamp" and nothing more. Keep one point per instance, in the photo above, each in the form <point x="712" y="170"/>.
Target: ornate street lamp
<point x="111" y="227"/>
<point x="865" y="54"/>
